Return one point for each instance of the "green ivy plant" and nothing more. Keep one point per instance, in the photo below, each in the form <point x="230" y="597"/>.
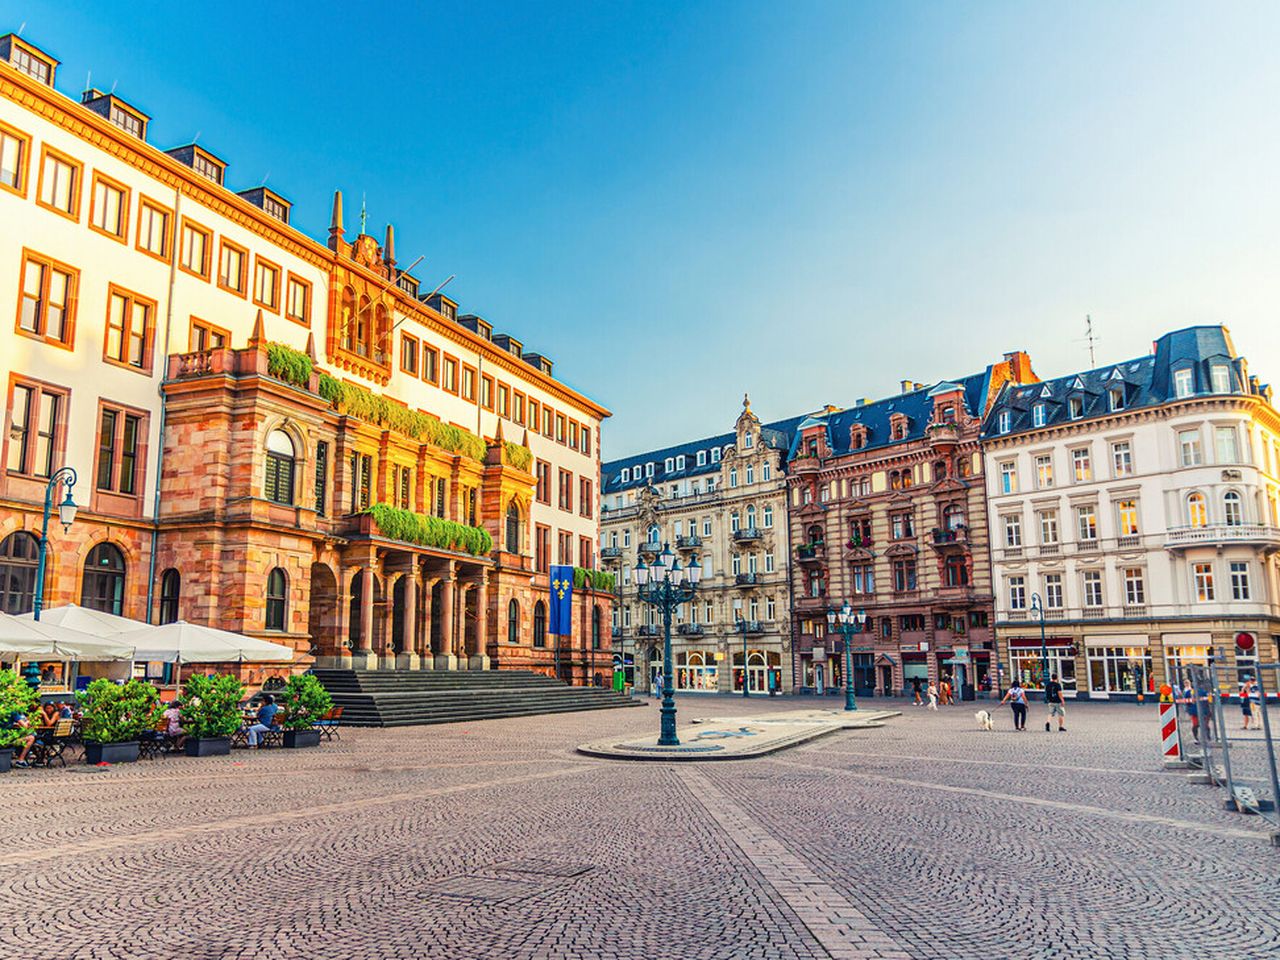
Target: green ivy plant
<point x="374" y="408"/>
<point x="290" y="365"/>
<point x="16" y="696"/>
<point x="115" y="713"/>
<point x="211" y="705"/>
<point x="518" y="456"/>
<point x="305" y="700"/>
<point x="600" y="580"/>
<point x="410" y="527"/>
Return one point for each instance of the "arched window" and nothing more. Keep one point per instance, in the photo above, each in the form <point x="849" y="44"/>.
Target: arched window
<point x="735" y="521"/>
<point x="1197" y="511"/>
<point x="1232" y="509"/>
<point x="768" y="516"/>
<point x="277" y="597"/>
<point x="513" y="529"/>
<point x="751" y="516"/>
<point x="953" y="517"/>
<point x="18" y="558"/>
<point x="378" y="344"/>
<point x="170" y="587"/>
<point x="815" y="534"/>
<point x="361" y="321"/>
<point x="513" y="622"/>
<point x="939" y="470"/>
<point x="539" y="624"/>
<point x="595" y="628"/>
<point x="103" y="585"/>
<point x="906" y="479"/>
<point x="278" y="486"/>
<point x="654" y="534"/>
<point x="348" y="316"/>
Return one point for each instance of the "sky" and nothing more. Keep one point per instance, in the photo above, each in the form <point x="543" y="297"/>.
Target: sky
<point x="806" y="201"/>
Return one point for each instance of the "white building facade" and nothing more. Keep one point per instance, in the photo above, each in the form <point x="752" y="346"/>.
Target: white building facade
<point x="1137" y="503"/>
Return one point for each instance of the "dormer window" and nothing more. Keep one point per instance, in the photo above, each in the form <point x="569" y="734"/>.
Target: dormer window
<point x="702" y="458"/>
<point x="857" y="436"/>
<point x="626" y="475"/>
<point x="949" y="414"/>
<point x="715" y="454"/>
<point x="747" y="440"/>
<point x="1004" y="421"/>
<point x="1039" y="414"/>
<point x="898" y="424"/>
<point x="1220" y="374"/>
<point x="669" y="464"/>
<point x="648" y="469"/>
<point x="206" y="168"/>
<point x="1115" y="398"/>
<point x="1182" y="383"/>
<point x="680" y="462"/>
<point x="1075" y="408"/>
<point x="26" y="59"/>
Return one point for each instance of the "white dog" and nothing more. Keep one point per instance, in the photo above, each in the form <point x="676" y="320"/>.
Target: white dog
<point x="984" y="720"/>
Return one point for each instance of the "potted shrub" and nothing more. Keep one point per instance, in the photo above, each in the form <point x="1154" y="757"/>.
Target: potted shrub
<point x="305" y="701"/>
<point x="115" y="716"/>
<point x="210" y="713"/>
<point x="16" y="696"/>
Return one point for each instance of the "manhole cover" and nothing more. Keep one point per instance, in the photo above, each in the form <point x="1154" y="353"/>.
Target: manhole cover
<point x="548" y="868"/>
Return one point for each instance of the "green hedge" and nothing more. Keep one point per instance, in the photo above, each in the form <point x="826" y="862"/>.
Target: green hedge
<point x="290" y="365"/>
<point x="517" y="456"/>
<point x="372" y="408"/>
<point x="599" y="579"/>
<point x="426" y="531"/>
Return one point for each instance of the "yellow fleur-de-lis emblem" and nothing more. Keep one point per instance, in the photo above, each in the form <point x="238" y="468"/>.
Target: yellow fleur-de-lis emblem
<point x="561" y="586"/>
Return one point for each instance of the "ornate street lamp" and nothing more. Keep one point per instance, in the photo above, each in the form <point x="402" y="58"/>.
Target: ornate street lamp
<point x="847" y="622"/>
<point x="66" y="514"/>
<point x="666" y="585"/>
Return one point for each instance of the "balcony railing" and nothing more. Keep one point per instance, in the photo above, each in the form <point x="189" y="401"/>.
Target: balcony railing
<point x="617" y="633"/>
<point x="746" y="579"/>
<point x="958" y="535"/>
<point x="1133" y="540"/>
<point x="688" y="543"/>
<point x="810" y="552"/>
<point x="744" y="534"/>
<point x="750" y="626"/>
<point x="689" y="629"/>
<point x="648" y="630"/>
<point x="1252" y="533"/>
<point x="610" y="553"/>
<point x="649" y="547"/>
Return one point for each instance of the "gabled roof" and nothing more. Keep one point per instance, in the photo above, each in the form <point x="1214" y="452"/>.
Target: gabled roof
<point x="1145" y="381"/>
<point x="776" y="435"/>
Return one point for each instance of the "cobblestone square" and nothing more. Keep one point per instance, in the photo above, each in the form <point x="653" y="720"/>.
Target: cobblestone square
<point x="927" y="838"/>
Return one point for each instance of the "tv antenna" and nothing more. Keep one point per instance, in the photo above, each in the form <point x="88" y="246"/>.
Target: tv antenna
<point x="1090" y="338"/>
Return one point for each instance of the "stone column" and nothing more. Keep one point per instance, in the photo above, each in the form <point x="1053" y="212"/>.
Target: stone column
<point x="446" y="659"/>
<point x="480" y="656"/>
<point x="408" y="660"/>
<point x="428" y="618"/>
<point x="363" y="657"/>
<point x="387" y="658"/>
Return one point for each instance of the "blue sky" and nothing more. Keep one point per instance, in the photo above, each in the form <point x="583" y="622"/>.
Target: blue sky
<point x="808" y="201"/>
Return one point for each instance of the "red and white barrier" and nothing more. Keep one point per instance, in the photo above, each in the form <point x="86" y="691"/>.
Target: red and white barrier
<point x="1169" y="747"/>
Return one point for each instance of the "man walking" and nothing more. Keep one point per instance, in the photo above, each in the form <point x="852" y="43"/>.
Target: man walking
<point x="1057" y="705"/>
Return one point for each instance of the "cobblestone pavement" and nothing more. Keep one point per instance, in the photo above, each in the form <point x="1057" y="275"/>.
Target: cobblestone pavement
<point x="927" y="838"/>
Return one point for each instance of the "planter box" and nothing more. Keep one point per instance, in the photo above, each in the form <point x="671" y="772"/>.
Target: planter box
<point x="207" y="746"/>
<point x="95" y="753"/>
<point x="6" y="759"/>
<point x="302" y="738"/>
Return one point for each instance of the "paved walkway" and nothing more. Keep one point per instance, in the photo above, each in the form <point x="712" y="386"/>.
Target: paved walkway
<point x="925" y="838"/>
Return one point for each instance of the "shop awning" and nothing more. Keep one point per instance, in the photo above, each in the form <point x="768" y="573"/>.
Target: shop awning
<point x="31" y="640"/>
<point x="183" y="642"/>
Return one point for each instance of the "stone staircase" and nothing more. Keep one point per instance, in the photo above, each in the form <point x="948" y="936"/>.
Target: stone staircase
<point x="388" y="698"/>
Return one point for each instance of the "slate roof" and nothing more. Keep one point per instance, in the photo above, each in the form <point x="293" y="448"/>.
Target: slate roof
<point x="777" y="434"/>
<point x="917" y="406"/>
<point x="1146" y="381"/>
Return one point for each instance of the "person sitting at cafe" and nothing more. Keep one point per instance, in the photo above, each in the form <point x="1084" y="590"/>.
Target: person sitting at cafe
<point x="65" y="712"/>
<point x="173" y="724"/>
<point x="49" y="675"/>
<point x="266" y="721"/>
<point x="48" y="714"/>
<point x="20" y="722"/>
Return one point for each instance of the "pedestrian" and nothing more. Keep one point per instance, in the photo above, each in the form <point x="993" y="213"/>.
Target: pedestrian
<point x="915" y="690"/>
<point x="933" y="695"/>
<point x="1057" y="705"/>
<point x="1247" y="706"/>
<point x="1017" y="700"/>
<point x="657" y="684"/>
<point x="1188" y="696"/>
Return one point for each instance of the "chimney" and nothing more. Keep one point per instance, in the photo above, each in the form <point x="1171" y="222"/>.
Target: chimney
<point x="389" y="248"/>
<point x="1020" y="367"/>
<point x="904" y="386"/>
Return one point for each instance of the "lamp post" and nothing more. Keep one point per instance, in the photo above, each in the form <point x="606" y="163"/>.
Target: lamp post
<point x="741" y="624"/>
<point x="66" y="514"/>
<point x="1038" y="608"/>
<point x="848" y="623"/>
<point x="665" y="584"/>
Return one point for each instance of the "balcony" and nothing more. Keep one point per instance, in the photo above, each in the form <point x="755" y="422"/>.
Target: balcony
<point x="689" y="629"/>
<point x="691" y="542"/>
<point x="649" y="548"/>
<point x="806" y="601"/>
<point x="747" y="535"/>
<point x="1252" y="534"/>
<point x="804" y="464"/>
<point x="747" y="579"/>
<point x="1124" y="543"/>
<point x="811" y="552"/>
<point x="956" y="537"/>
<point x="749" y="626"/>
<point x="610" y="553"/>
<point x="648" y="630"/>
<point x="617" y="633"/>
<point x="1050" y="549"/>
<point x="943" y="434"/>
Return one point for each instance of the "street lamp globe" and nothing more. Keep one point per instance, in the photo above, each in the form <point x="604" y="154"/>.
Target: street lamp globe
<point x="693" y="572"/>
<point x="67" y="511"/>
<point x="666" y="559"/>
<point x="641" y="572"/>
<point x="677" y="573"/>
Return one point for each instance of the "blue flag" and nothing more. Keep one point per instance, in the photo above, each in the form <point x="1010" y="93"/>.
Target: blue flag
<point x="561" y="601"/>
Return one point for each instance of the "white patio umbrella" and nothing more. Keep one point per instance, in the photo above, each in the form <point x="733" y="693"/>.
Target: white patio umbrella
<point x="85" y="620"/>
<point x="29" y="639"/>
<point x="183" y="642"/>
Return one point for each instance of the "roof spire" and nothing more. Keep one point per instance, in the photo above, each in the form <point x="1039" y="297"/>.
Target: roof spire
<point x="364" y="214"/>
<point x="335" y="221"/>
<point x="389" y="248"/>
<point x="258" y="338"/>
<point x="746" y="403"/>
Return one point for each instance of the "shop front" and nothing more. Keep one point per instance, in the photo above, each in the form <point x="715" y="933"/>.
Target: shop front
<point x="696" y="671"/>
<point x="1182" y="650"/>
<point x="763" y="671"/>
<point x="1119" y="666"/>
<point x="1026" y="663"/>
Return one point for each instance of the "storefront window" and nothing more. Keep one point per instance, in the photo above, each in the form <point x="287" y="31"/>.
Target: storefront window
<point x="759" y="664"/>
<point x="1025" y="665"/>
<point x="695" y="670"/>
<point x="1120" y="670"/>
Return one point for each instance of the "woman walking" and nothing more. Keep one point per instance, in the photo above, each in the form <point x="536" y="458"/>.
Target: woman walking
<point x="1017" y="700"/>
<point x="1247" y="690"/>
<point x="933" y="695"/>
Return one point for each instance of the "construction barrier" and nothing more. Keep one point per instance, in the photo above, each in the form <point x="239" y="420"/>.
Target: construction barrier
<point x="1170" y="744"/>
